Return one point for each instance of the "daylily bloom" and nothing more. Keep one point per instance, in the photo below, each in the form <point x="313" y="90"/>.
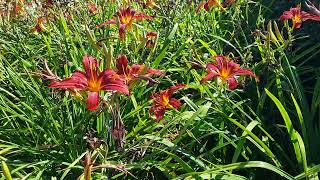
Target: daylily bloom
<point x="40" y="26"/>
<point x="92" y="81"/>
<point x="163" y="101"/>
<point x="208" y="4"/>
<point x="135" y="72"/>
<point x="125" y="17"/>
<point x="150" y="36"/>
<point x="226" y="70"/>
<point x="297" y="16"/>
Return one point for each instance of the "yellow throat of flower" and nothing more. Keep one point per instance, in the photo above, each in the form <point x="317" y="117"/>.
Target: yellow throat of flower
<point x="94" y="85"/>
<point x="225" y="73"/>
<point x="296" y="19"/>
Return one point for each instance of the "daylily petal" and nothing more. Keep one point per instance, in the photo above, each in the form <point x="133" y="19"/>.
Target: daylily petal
<point x="93" y="100"/>
<point x="232" y="83"/>
<point x="212" y="67"/>
<point x="78" y="81"/>
<point x="151" y="34"/>
<point x="155" y="72"/>
<point x="245" y="72"/>
<point x="175" y="103"/>
<point x="111" y="81"/>
<point x="137" y="69"/>
<point x="209" y="76"/>
<point x="91" y="67"/>
<point x="207" y="7"/>
<point x="122" y="31"/>
<point x="122" y="64"/>
<point x="111" y="21"/>
<point x="200" y="7"/>
<point x="141" y="16"/>
<point x="158" y="112"/>
<point x="306" y="16"/>
<point x="172" y="89"/>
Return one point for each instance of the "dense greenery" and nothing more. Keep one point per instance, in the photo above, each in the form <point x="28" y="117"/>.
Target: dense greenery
<point x="263" y="128"/>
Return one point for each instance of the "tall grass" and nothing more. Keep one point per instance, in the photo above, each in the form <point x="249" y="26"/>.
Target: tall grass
<point x="266" y="128"/>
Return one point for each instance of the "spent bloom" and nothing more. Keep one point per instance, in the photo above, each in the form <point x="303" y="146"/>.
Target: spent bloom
<point x="92" y="7"/>
<point x="39" y="27"/>
<point x="92" y="80"/>
<point x="298" y="16"/>
<point x="135" y="72"/>
<point x="125" y="17"/>
<point x="226" y="70"/>
<point x="208" y="4"/>
<point x="163" y="101"/>
<point x="150" y="36"/>
<point x="150" y="4"/>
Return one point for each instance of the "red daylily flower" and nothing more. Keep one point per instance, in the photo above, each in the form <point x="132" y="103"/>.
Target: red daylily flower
<point x="125" y="16"/>
<point x="93" y="81"/>
<point x="297" y="16"/>
<point x="162" y="101"/>
<point x="208" y="4"/>
<point x="150" y="36"/>
<point x="226" y="70"/>
<point x="136" y="71"/>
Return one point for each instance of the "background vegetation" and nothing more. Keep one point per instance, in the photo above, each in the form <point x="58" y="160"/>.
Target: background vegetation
<point x="262" y="129"/>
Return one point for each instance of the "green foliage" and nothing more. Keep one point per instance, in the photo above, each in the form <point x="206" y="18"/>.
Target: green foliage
<point x="266" y="128"/>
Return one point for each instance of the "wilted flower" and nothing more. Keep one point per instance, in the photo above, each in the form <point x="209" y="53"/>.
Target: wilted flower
<point x="48" y="4"/>
<point x="92" y="81"/>
<point x="163" y="101"/>
<point x="92" y="141"/>
<point x="208" y="4"/>
<point x="19" y="9"/>
<point x="228" y="3"/>
<point x="125" y="17"/>
<point x="297" y="16"/>
<point x="92" y="7"/>
<point x="40" y="25"/>
<point x="136" y="71"/>
<point x="226" y="70"/>
<point x="88" y="164"/>
<point x="150" y="36"/>
<point x="149" y="4"/>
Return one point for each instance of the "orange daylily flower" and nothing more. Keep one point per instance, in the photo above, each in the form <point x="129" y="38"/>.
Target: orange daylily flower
<point x="125" y="17"/>
<point x="297" y="16"/>
<point x="163" y="101"/>
<point x="92" y="81"/>
<point x="208" y="4"/>
<point x="226" y="70"/>
<point x="136" y="71"/>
